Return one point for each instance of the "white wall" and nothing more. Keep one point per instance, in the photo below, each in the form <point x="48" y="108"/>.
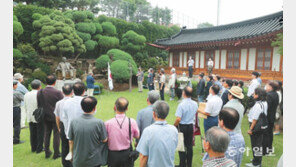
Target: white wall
<point x="217" y="55"/>
<point x="196" y="59"/>
<point x="180" y="59"/>
<point x="252" y="59"/>
<point x="185" y="59"/>
<point x="171" y="59"/>
<point x="223" y="59"/>
<point x="202" y="59"/>
<point x="276" y="60"/>
<point x="243" y="64"/>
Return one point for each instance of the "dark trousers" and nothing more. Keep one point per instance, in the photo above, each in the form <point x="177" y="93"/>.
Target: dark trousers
<point x="210" y="122"/>
<point x="36" y="136"/>
<point x="119" y="158"/>
<point x="161" y="91"/>
<point x="256" y="143"/>
<point x="16" y="124"/>
<point x="268" y="139"/>
<point x="150" y="87"/>
<point x="65" y="146"/>
<point x="49" y="127"/>
<point x="186" y="157"/>
<point x="190" y="71"/>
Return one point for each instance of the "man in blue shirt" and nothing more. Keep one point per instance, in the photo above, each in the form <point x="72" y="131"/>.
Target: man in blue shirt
<point x="185" y="120"/>
<point x="159" y="141"/>
<point x="145" y="116"/>
<point x="90" y="84"/>
<point x="22" y="89"/>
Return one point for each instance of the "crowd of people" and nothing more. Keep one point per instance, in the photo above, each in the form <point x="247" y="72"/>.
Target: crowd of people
<point x="88" y="141"/>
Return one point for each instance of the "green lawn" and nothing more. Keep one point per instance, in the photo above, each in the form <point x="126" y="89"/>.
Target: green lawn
<point x="23" y="157"/>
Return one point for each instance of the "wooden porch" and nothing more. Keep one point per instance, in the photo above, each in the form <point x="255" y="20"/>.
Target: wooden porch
<point x="231" y="73"/>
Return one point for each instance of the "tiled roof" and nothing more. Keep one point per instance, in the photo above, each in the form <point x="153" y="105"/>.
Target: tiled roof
<point x="240" y="30"/>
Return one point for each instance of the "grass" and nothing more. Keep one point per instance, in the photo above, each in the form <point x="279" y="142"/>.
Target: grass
<point x="23" y="157"/>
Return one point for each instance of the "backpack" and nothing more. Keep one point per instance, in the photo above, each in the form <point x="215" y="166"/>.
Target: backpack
<point x="39" y="112"/>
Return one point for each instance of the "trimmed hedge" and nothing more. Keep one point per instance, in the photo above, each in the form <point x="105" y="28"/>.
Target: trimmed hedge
<point x="120" y="71"/>
<point x="116" y="54"/>
<point x="101" y="62"/>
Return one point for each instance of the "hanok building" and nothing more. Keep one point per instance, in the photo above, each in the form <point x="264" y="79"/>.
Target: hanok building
<point x="236" y="49"/>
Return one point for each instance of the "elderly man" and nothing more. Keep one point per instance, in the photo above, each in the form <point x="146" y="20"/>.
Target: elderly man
<point x="150" y="79"/>
<point x="162" y="83"/>
<point x="215" y="144"/>
<point x="190" y="66"/>
<point x="47" y="99"/>
<point x="172" y="83"/>
<point x="21" y="88"/>
<point x="227" y="85"/>
<point x="36" y="129"/>
<point x="119" y="136"/>
<point x="145" y="116"/>
<point x="66" y="67"/>
<point x="140" y="76"/>
<point x="216" y="79"/>
<point x="17" y="99"/>
<point x="87" y="135"/>
<point x="185" y="120"/>
<point x="59" y="113"/>
<point x="212" y="109"/>
<point x="234" y="96"/>
<point x="201" y="88"/>
<point x="157" y="149"/>
<point x="90" y="84"/>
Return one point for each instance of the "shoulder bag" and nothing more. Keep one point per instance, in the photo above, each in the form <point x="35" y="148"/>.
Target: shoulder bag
<point x="133" y="155"/>
<point x="39" y="112"/>
<point x="262" y="122"/>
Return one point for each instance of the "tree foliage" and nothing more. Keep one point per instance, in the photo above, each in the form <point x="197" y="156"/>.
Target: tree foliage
<point x="132" y="42"/>
<point x="205" y="25"/>
<point x="279" y="43"/>
<point x="101" y="62"/>
<point x="106" y="42"/>
<point x="109" y="29"/>
<point x="90" y="45"/>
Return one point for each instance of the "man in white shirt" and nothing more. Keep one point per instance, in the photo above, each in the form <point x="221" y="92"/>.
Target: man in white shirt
<point x="59" y="113"/>
<point x="162" y="84"/>
<point x="210" y="66"/>
<point x="190" y="66"/>
<point x="172" y="82"/>
<point x="213" y="107"/>
<point x="36" y="129"/>
<point x="72" y="106"/>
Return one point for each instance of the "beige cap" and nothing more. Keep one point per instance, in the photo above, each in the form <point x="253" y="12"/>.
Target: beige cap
<point x="17" y="76"/>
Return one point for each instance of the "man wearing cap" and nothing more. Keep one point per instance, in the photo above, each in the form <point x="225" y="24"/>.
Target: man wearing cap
<point x="17" y="99"/>
<point x="22" y="89"/>
<point x="234" y="94"/>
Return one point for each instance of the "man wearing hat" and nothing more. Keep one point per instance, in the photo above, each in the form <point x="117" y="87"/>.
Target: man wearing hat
<point x="23" y="90"/>
<point x="17" y="99"/>
<point x="234" y="94"/>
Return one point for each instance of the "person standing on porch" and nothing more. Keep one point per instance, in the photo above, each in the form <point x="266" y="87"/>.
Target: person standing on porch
<point x="172" y="83"/>
<point x="210" y="66"/>
<point x="190" y="66"/>
<point x="140" y="76"/>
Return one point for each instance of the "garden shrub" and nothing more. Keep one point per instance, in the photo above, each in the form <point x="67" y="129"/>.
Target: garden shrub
<point x="108" y="42"/>
<point x="84" y="36"/>
<point x="120" y="71"/>
<point x="116" y="54"/>
<point x="86" y="27"/>
<point x="90" y="45"/>
<point x="38" y="74"/>
<point x="17" y="54"/>
<point x="109" y="29"/>
<point x="102" y="62"/>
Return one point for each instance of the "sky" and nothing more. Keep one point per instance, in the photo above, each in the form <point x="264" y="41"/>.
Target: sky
<point x="192" y="12"/>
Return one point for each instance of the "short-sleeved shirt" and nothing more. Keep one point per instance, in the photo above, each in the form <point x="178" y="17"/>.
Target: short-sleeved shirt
<point x="190" y="62"/>
<point x="18" y="97"/>
<point x="214" y="105"/>
<point x="159" y="142"/>
<point x="257" y="109"/>
<point x="162" y="79"/>
<point x="140" y="75"/>
<point x="237" y="105"/>
<point x="145" y="118"/>
<point x="59" y="108"/>
<point x="22" y="89"/>
<point x="150" y="78"/>
<point x="253" y="85"/>
<point x="72" y="109"/>
<point x="186" y="111"/>
<point x="220" y="86"/>
<point x="118" y="138"/>
<point x="87" y="133"/>
<point x="219" y="162"/>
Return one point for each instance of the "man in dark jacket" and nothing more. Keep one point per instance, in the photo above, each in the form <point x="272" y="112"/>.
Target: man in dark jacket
<point x="201" y="88"/>
<point x="227" y="85"/>
<point x="50" y="96"/>
<point x="272" y="101"/>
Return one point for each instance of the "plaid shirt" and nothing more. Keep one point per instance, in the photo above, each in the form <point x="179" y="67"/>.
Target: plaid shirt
<point x="236" y="147"/>
<point x="235" y="150"/>
<point x="219" y="162"/>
